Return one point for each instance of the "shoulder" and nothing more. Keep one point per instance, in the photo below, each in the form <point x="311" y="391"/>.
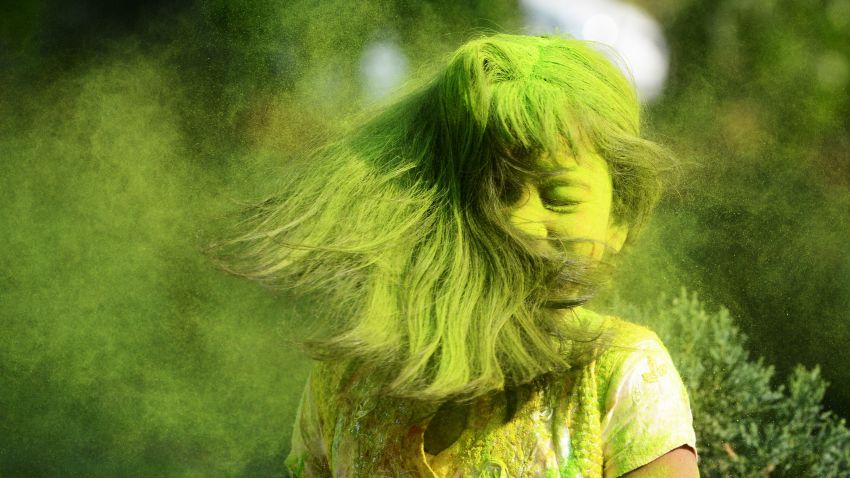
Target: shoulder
<point x="643" y="402"/>
<point x="635" y="362"/>
<point x="622" y="343"/>
<point x="629" y="343"/>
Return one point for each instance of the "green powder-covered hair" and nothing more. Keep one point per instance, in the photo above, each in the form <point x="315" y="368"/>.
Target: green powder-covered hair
<point x="399" y="229"/>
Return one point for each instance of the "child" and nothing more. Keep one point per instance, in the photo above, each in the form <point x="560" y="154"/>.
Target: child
<point x="451" y="240"/>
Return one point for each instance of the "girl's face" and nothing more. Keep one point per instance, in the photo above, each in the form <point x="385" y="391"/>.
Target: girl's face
<point x="573" y="203"/>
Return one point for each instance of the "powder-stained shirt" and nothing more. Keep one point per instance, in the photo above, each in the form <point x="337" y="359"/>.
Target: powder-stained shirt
<point x="617" y="413"/>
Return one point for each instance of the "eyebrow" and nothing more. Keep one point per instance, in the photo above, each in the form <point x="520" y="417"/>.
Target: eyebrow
<point x="561" y="177"/>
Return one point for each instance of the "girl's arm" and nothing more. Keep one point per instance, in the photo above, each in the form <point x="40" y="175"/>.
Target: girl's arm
<point x="678" y="463"/>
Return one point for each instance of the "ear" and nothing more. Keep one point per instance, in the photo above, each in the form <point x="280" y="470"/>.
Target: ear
<point x="618" y="232"/>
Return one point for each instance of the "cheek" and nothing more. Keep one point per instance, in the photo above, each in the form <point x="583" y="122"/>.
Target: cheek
<point x="589" y="222"/>
<point x="589" y="226"/>
<point x="528" y="224"/>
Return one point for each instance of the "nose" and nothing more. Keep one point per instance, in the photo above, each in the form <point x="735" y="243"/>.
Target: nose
<point x="529" y="215"/>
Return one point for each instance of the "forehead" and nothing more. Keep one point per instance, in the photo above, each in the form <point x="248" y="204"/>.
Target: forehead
<point x="572" y="161"/>
<point x="569" y="150"/>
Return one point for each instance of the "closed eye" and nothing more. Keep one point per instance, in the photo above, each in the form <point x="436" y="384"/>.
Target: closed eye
<point x="562" y="206"/>
<point x="558" y="201"/>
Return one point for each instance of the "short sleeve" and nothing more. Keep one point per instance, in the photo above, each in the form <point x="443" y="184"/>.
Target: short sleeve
<point x="307" y="457"/>
<point x="646" y="408"/>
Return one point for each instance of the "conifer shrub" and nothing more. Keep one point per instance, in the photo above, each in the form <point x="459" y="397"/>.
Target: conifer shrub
<point x="747" y="425"/>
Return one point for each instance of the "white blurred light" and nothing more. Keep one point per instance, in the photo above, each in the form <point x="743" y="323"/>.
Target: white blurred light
<point x="383" y="67"/>
<point x="632" y="33"/>
<point x="601" y="28"/>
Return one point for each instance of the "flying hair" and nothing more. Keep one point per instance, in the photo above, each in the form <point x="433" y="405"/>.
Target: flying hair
<point x="400" y="227"/>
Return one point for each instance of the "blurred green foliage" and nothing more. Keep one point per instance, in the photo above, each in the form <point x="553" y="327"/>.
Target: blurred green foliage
<point x="131" y="129"/>
<point x="757" y="106"/>
<point x="123" y="353"/>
